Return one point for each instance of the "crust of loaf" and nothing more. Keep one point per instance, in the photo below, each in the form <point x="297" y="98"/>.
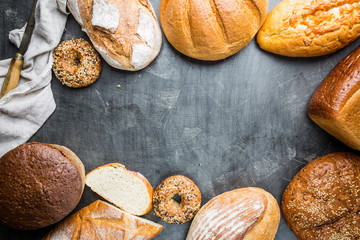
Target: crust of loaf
<point x="40" y="184"/>
<point x="287" y="32"/>
<point x="101" y="220"/>
<point x="135" y="174"/>
<point x="322" y="200"/>
<point x="117" y="48"/>
<point x="264" y="228"/>
<point x="267" y="227"/>
<point x="211" y="30"/>
<point x="335" y="105"/>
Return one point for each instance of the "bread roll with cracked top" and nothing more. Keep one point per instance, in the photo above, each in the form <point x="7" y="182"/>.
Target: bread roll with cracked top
<point x="101" y="220"/>
<point x="245" y="213"/>
<point x="125" y="32"/>
<point x="309" y="28"/>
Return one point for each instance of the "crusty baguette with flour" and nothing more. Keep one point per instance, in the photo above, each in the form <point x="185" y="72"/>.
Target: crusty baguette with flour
<point x="125" y="32"/>
<point x="103" y="221"/>
<point x="245" y="213"/>
<point x="128" y="190"/>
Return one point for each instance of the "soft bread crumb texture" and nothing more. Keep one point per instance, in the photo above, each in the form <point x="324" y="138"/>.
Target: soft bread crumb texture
<point x="117" y="185"/>
<point x="105" y="15"/>
<point x="306" y="28"/>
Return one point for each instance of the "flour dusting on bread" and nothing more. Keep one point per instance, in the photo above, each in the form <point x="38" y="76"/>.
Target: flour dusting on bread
<point x="105" y="15"/>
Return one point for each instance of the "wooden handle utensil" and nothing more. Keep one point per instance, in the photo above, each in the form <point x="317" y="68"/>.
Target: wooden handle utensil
<point x="13" y="75"/>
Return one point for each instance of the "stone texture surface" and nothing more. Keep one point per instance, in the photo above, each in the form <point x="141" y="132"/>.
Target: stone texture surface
<point x="228" y="124"/>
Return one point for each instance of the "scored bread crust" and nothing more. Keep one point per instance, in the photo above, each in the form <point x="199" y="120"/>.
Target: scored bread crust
<point x="101" y="220"/>
<point x="322" y="201"/>
<point x="117" y="48"/>
<point x="149" y="189"/>
<point x="309" y="28"/>
<point x="335" y="105"/>
<point x="259" y="206"/>
<point x="211" y="30"/>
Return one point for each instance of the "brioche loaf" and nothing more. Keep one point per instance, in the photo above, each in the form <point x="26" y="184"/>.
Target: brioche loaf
<point x="128" y="190"/>
<point x="335" y="105"/>
<point x="211" y="30"/>
<point x="322" y="202"/>
<point x="125" y="32"/>
<point x="39" y="185"/>
<point x="245" y="213"/>
<point x="103" y="221"/>
<point x="308" y="28"/>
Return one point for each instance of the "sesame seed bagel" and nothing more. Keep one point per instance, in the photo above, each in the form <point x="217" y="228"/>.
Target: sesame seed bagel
<point x="323" y="200"/>
<point x="76" y="63"/>
<point x="166" y="205"/>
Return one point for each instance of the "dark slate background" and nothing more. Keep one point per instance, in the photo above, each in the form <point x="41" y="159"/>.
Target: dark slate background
<point x="228" y="124"/>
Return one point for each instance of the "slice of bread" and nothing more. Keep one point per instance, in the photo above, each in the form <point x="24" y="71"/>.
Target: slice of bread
<point x="128" y="190"/>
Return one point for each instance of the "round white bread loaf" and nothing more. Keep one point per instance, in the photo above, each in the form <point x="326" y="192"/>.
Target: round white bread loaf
<point x="128" y="190"/>
<point x="245" y="213"/>
<point x="125" y="33"/>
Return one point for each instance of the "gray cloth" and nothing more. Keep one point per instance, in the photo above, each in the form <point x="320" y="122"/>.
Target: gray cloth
<point x="25" y="109"/>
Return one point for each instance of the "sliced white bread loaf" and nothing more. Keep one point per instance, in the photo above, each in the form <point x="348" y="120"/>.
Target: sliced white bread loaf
<point x="128" y="190"/>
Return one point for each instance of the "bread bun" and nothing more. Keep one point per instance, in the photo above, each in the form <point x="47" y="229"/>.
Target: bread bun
<point x="101" y="220"/>
<point x="335" y="105"/>
<point x="126" y="33"/>
<point x="323" y="200"/>
<point x="211" y="30"/>
<point x="245" y="213"/>
<point x="309" y="28"/>
<point x="39" y="185"/>
<point x="128" y="190"/>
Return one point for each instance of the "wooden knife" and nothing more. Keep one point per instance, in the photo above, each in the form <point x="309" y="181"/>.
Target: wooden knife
<point x="13" y="75"/>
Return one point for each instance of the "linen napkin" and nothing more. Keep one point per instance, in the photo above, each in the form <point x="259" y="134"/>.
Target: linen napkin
<point x="25" y="109"/>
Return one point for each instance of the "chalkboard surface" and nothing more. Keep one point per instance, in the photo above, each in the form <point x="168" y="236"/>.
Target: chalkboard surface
<point x="228" y="124"/>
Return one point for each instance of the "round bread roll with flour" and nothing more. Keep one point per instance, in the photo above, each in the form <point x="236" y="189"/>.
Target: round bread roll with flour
<point x="245" y="213"/>
<point x="211" y="30"/>
<point x="126" y="33"/>
<point x="39" y="185"/>
<point x="323" y="200"/>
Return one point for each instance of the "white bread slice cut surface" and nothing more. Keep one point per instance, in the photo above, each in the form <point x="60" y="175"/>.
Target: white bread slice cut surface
<point x="126" y="33"/>
<point x="128" y="190"/>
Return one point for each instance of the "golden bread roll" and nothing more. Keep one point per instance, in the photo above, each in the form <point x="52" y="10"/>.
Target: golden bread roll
<point x="101" y="220"/>
<point x="322" y="202"/>
<point x="335" y="105"/>
<point x="309" y="28"/>
<point x="211" y="30"/>
<point x="245" y="213"/>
